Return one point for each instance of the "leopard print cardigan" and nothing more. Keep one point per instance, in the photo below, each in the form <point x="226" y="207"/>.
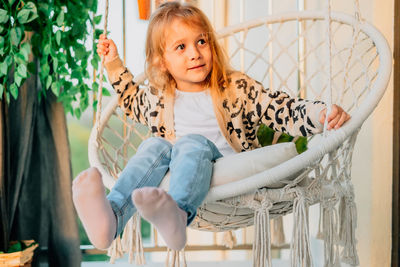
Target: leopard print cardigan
<point x="238" y="120"/>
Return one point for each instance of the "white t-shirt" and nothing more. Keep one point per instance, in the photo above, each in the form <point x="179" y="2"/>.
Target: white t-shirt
<point x="194" y="114"/>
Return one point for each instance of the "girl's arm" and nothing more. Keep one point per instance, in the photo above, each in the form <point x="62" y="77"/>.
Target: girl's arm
<point x="300" y="117"/>
<point x="132" y="99"/>
<point x="336" y="117"/>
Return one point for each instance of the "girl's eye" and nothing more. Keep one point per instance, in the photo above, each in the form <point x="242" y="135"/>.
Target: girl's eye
<point x="180" y="47"/>
<point x="202" y="41"/>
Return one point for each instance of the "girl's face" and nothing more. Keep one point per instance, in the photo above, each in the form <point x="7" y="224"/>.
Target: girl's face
<point x="187" y="56"/>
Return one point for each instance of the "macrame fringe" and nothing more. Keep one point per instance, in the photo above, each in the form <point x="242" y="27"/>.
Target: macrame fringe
<point x="278" y="232"/>
<point x="115" y="250"/>
<point x="348" y="224"/>
<point x="132" y="240"/>
<point x="300" y="246"/>
<point x="131" y="243"/>
<point x="262" y="234"/>
<point x="320" y="233"/>
<point x="330" y="226"/>
<point x="229" y="239"/>
<point x="174" y="260"/>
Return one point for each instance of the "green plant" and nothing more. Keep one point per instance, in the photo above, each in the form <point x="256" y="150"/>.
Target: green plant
<point x="56" y="32"/>
<point x="18" y="246"/>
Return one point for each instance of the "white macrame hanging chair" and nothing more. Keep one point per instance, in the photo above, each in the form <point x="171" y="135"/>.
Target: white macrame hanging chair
<point x="328" y="56"/>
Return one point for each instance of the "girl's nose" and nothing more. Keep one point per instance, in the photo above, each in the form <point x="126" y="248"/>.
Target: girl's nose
<point x="194" y="53"/>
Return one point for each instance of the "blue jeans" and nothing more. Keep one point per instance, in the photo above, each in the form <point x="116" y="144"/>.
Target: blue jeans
<point x="190" y="162"/>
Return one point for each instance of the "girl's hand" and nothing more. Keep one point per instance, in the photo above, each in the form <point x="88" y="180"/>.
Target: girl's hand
<point x="336" y="118"/>
<point x="107" y="48"/>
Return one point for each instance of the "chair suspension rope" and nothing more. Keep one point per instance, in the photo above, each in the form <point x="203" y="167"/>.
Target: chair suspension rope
<point x="100" y="90"/>
<point x="328" y="21"/>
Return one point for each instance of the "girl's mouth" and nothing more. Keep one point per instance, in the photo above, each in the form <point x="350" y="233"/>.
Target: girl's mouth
<point x="197" y="67"/>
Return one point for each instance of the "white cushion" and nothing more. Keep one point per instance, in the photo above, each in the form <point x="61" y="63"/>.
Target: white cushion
<point x="245" y="164"/>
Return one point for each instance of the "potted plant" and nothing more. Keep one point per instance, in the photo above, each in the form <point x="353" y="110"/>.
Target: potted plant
<point x="19" y="253"/>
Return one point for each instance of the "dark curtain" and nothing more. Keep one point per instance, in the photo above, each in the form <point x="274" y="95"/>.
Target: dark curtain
<point x="35" y="177"/>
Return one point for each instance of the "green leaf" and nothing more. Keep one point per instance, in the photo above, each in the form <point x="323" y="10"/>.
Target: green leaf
<point x="33" y="11"/>
<point x="97" y="19"/>
<point x="32" y="67"/>
<point x="93" y="5"/>
<point x="94" y="63"/>
<point x="80" y="52"/>
<point x="97" y="33"/>
<point x="55" y="88"/>
<point x="3" y="16"/>
<point x="46" y="50"/>
<point x="62" y="57"/>
<point x="95" y="87"/>
<point x="58" y="37"/>
<point x="14" y="90"/>
<point x="1" y="29"/>
<point x="301" y="144"/>
<point x="19" y="58"/>
<point x="265" y="135"/>
<point x="9" y="60"/>
<point x="17" y="79"/>
<point x="11" y="2"/>
<point x="45" y="69"/>
<point x="25" y="50"/>
<point x="60" y="19"/>
<point x="1" y="91"/>
<point x="16" y="34"/>
<point x="55" y="63"/>
<point x="78" y="112"/>
<point x="1" y="51"/>
<point x="284" y="138"/>
<point x="3" y="68"/>
<point x="22" y="70"/>
<point x="94" y="105"/>
<point x="14" y="248"/>
<point x="44" y="7"/>
<point x="106" y="92"/>
<point x="23" y="15"/>
<point x="48" y="82"/>
<point x="76" y="74"/>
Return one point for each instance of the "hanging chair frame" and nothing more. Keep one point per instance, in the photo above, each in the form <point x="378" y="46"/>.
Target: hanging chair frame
<point x="249" y="201"/>
<point x="289" y="168"/>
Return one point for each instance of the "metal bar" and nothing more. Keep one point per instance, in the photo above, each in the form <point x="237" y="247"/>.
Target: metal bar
<point x="91" y="250"/>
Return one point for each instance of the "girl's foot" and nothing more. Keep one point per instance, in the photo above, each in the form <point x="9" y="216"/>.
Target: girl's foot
<point x="158" y="207"/>
<point x="93" y="208"/>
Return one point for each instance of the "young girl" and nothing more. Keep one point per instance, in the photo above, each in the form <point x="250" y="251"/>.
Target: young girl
<point x="198" y="110"/>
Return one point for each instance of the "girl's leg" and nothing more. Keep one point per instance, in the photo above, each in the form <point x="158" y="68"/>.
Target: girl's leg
<point x="146" y="168"/>
<point x="191" y="169"/>
<point x="104" y="218"/>
<point x="93" y="209"/>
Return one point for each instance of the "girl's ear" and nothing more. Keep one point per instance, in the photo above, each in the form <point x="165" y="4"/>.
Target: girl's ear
<point x="162" y="65"/>
<point x="159" y="62"/>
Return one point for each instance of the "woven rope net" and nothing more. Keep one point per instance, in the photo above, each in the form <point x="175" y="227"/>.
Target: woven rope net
<point x="287" y="53"/>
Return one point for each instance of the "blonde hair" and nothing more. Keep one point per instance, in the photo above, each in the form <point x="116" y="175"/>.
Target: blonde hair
<point x="217" y="79"/>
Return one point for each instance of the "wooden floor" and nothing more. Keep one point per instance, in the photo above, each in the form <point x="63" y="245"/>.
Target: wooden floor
<point x="276" y="263"/>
